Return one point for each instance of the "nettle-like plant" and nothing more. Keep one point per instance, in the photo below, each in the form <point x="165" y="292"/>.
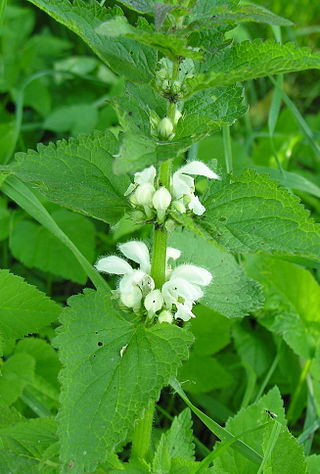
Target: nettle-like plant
<point x="121" y="344"/>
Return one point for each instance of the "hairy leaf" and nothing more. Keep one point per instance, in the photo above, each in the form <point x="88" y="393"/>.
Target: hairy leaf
<point x="250" y="60"/>
<point x="247" y="419"/>
<point x="253" y="214"/>
<point x="231" y="293"/>
<point x="23" y="308"/>
<point x="36" y="247"/>
<point x="77" y="174"/>
<point x="105" y="390"/>
<point x="134" y="61"/>
<point x="286" y="456"/>
<point x="292" y="302"/>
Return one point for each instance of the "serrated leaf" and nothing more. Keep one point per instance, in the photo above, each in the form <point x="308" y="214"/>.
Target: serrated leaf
<point x="16" y="373"/>
<point x="125" y="57"/>
<point x="313" y="463"/>
<point x="220" y="15"/>
<point x="250" y="60"/>
<point x="23" y="308"/>
<point x="247" y="419"/>
<point x="223" y="105"/>
<point x="231" y="293"/>
<point x="292" y="302"/>
<point x="253" y="214"/>
<point x="287" y="455"/>
<point x="77" y="174"/>
<point x="36" y="247"/>
<point x="176" y="443"/>
<point x="104" y="392"/>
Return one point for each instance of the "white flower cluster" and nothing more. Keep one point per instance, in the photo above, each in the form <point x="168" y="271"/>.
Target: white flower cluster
<point x="181" y="195"/>
<point x="178" y="294"/>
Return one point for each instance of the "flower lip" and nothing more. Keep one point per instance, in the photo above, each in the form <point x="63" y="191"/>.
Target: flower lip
<point x="113" y="264"/>
<point x="199" y="169"/>
<point x="138" y="252"/>
<point x="193" y="274"/>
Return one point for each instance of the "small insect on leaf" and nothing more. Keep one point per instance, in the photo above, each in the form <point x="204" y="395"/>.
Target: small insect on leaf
<point x="271" y="414"/>
<point x="123" y="349"/>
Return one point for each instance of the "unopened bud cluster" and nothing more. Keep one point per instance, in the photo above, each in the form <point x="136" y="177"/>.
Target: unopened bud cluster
<point x="179" y="196"/>
<point x="176" y="89"/>
<point x="136" y="289"/>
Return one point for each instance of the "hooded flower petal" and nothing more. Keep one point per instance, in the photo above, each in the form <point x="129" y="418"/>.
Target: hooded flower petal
<point x="137" y="252"/>
<point x="178" y="287"/>
<point x="113" y="264"/>
<point x="130" y="280"/>
<point x="182" y="185"/>
<point x="173" y="253"/>
<point x="199" y="169"/>
<point x="195" y="206"/>
<point x="193" y="274"/>
<point x="145" y="176"/>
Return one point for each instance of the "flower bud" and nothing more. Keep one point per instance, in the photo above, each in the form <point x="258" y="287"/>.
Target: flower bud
<point x="161" y="201"/>
<point x="143" y="194"/>
<point x="179" y="206"/>
<point x="153" y="302"/>
<point x="165" y="317"/>
<point x="165" y="128"/>
<point x="132" y="299"/>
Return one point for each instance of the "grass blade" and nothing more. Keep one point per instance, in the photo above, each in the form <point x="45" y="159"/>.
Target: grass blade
<point x="26" y="199"/>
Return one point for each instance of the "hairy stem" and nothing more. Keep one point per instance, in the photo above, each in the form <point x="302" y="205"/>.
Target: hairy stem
<point x="159" y="252"/>
<point x="143" y="428"/>
<point x="142" y="434"/>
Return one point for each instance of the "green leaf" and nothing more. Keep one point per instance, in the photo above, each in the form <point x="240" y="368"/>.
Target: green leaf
<point x="244" y="424"/>
<point x="201" y="374"/>
<point x="253" y="214"/>
<point x="287" y="455"/>
<point x="211" y="331"/>
<point x="176" y="443"/>
<point x="36" y="247"/>
<point x="16" y="373"/>
<point x="23" y="308"/>
<point x="254" y="346"/>
<point x="313" y="463"/>
<point x="77" y="174"/>
<point x="26" y="199"/>
<point x="70" y="118"/>
<point x="291" y="180"/>
<point x="220" y="15"/>
<point x="250" y="60"/>
<point x="124" y="56"/>
<point x="104" y="390"/>
<point x="27" y="444"/>
<point x="223" y="105"/>
<point x="292" y="302"/>
<point x="231" y="293"/>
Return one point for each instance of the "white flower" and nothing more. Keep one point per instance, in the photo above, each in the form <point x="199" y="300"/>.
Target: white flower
<point x="165" y="128"/>
<point x="165" y="317"/>
<point x="153" y="302"/>
<point x="183" y="184"/>
<point x="183" y="289"/>
<point x="143" y="186"/>
<point x="184" y="311"/>
<point x="134" y="284"/>
<point x="161" y="201"/>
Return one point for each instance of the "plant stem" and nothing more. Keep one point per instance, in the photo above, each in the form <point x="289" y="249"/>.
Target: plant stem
<point x="159" y="253"/>
<point x="142" y="434"/>
<point x="143" y="428"/>
<point x="227" y="148"/>
<point x="295" y="397"/>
